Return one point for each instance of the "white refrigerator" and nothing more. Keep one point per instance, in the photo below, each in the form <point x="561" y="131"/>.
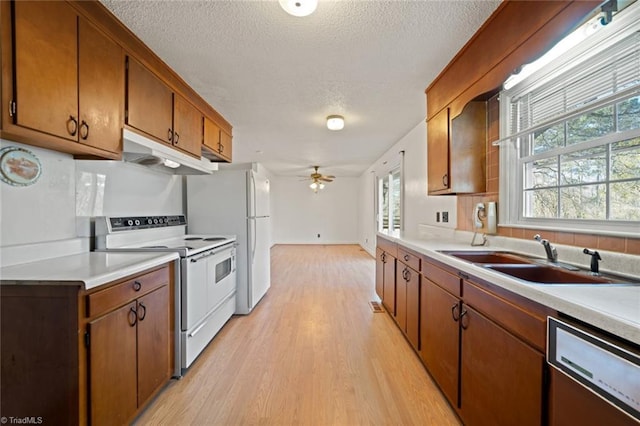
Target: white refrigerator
<point x="236" y="202"/>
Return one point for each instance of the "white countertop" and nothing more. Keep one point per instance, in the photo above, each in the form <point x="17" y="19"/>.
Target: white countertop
<point x="89" y="269"/>
<point x="613" y="308"/>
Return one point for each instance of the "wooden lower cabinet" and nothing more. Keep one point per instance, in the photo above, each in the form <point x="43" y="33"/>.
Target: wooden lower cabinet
<point x="407" y="313"/>
<point x="112" y="366"/>
<point x="501" y="377"/>
<point x="440" y="337"/>
<point x="93" y="357"/>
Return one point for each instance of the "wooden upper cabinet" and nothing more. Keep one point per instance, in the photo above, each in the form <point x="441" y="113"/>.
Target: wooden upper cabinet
<point x="46" y="68"/>
<point x="217" y="143"/>
<point x="456" y="151"/>
<point x="149" y="102"/>
<point x="438" y="152"/>
<point x="225" y="145"/>
<point x="187" y="126"/>
<point x="101" y="89"/>
<point x="69" y="81"/>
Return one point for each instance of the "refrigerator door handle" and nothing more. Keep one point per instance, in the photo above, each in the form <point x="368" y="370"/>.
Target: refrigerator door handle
<point x="255" y="242"/>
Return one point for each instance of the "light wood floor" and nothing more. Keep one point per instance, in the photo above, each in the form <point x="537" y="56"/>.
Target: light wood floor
<point x="311" y="353"/>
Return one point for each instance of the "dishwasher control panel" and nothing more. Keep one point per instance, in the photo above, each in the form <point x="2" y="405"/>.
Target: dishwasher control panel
<point x="607" y="369"/>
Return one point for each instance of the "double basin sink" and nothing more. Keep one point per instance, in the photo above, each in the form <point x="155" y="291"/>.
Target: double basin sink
<point x="534" y="270"/>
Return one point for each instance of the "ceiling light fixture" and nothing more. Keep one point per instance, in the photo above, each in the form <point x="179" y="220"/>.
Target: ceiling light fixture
<point x="335" y="122"/>
<point x="299" y="7"/>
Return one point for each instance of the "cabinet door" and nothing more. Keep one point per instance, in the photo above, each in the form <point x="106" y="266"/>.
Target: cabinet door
<point x="187" y="126"/>
<point x="440" y="337"/>
<point x="438" y="152"/>
<point x="154" y="343"/>
<point x="225" y="145"/>
<point x="211" y="135"/>
<point x="46" y="67"/>
<point x="389" y="299"/>
<point x="149" y="102"/>
<point x="112" y="366"/>
<point x="101" y="89"/>
<point x="501" y="377"/>
<point x="413" y="308"/>
<point x="401" y="296"/>
<point x="380" y="273"/>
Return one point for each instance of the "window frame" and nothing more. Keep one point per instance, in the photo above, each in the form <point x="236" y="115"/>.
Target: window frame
<point x="512" y="174"/>
<point x="388" y="173"/>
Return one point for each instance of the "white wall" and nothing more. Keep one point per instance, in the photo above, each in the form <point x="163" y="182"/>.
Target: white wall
<point x="43" y="211"/>
<point x="47" y="210"/>
<point x="129" y="189"/>
<point x="418" y="207"/>
<point x="299" y="214"/>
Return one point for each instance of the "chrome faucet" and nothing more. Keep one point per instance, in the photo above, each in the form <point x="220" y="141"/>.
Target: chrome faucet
<point x="552" y="254"/>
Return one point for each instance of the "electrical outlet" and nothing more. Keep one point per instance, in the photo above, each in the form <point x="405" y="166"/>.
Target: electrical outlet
<point x="445" y="217"/>
<point x="366" y="240"/>
<point x="437" y="216"/>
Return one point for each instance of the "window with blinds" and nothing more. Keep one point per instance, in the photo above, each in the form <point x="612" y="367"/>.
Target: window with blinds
<point x="575" y="129"/>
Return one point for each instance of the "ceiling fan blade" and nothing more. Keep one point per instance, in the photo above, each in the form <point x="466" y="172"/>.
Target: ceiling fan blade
<point x="330" y="176"/>
<point x="325" y="179"/>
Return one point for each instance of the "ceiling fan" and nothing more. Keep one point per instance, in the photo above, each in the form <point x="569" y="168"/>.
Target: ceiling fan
<point x="318" y="179"/>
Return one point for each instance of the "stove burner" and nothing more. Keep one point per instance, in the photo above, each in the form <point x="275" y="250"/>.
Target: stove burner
<point x="215" y="239"/>
<point x="193" y="238"/>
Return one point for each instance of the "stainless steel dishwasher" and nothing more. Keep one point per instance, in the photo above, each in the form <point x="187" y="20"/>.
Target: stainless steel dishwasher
<point x="599" y="377"/>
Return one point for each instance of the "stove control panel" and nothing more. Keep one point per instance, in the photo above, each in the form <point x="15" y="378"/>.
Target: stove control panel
<point x="144" y="222"/>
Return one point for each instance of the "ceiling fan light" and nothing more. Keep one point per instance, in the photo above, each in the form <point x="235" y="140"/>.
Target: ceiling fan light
<point x="322" y="186"/>
<point x="335" y="122"/>
<point x="299" y="7"/>
<point x="314" y="185"/>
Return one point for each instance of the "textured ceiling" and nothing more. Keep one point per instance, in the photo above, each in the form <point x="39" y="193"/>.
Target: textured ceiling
<point x="276" y="77"/>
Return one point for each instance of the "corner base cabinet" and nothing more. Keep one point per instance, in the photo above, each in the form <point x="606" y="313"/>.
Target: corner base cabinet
<point x="72" y="356"/>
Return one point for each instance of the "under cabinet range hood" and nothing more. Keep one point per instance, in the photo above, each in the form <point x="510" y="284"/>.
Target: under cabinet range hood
<point x="141" y="150"/>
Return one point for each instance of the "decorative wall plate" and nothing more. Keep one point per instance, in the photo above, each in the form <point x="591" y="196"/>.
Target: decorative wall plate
<point x="18" y="166"/>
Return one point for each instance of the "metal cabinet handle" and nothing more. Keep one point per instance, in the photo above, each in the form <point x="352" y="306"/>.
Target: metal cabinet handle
<point x="445" y="179"/>
<point x="84" y="135"/>
<point x="220" y="147"/>
<point x="170" y="135"/>
<point x="137" y="286"/>
<point x="453" y="312"/>
<point x="408" y="277"/>
<point x="462" y="323"/>
<point x="176" y="138"/>
<point x="383" y="257"/>
<point x="144" y="311"/>
<point x="406" y="257"/>
<point x="72" y="130"/>
<point x="134" y="316"/>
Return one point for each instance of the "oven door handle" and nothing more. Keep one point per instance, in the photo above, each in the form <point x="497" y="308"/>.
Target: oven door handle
<point x="195" y="259"/>
<point x="197" y="330"/>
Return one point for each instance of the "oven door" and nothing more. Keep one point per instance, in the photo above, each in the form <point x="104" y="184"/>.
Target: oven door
<point x="209" y="277"/>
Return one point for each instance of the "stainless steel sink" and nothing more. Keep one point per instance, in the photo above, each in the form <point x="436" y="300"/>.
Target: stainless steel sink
<point x="489" y="257"/>
<point x="548" y="274"/>
<point x="535" y="270"/>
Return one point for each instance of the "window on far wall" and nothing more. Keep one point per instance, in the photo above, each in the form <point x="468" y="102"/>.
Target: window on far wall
<point x="572" y="155"/>
<point x="389" y="201"/>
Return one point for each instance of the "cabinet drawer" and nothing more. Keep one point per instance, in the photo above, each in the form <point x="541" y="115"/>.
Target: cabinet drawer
<point x="408" y="258"/>
<point x="110" y="298"/>
<point x="525" y="324"/>
<point x="444" y="279"/>
<point x="388" y="246"/>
